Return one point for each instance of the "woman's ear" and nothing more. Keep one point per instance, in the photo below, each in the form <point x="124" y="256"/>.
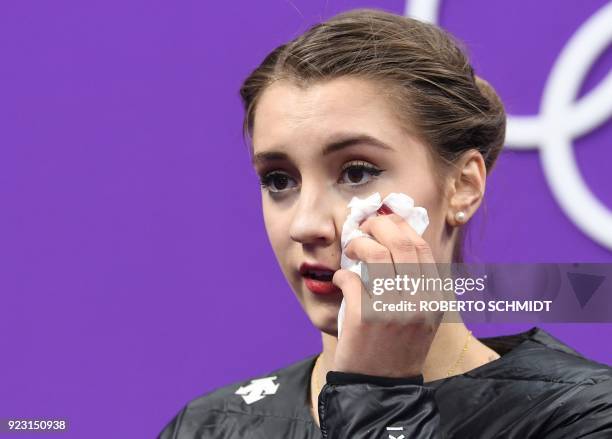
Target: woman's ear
<point x="467" y="186"/>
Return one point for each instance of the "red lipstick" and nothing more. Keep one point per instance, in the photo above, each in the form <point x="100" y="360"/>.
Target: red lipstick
<point x="317" y="278"/>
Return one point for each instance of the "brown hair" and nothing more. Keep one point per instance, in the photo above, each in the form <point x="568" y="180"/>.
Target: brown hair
<point x="426" y="71"/>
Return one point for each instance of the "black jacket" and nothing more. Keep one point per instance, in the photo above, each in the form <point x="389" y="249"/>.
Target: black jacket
<point x="539" y="388"/>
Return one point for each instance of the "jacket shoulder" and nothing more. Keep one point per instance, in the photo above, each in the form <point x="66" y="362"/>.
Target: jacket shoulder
<point x="538" y="356"/>
<point x="277" y="394"/>
<point x="257" y="391"/>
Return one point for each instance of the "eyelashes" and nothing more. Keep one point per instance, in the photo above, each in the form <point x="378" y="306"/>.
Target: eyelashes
<point x="351" y="175"/>
<point x="354" y="169"/>
<point x="268" y="180"/>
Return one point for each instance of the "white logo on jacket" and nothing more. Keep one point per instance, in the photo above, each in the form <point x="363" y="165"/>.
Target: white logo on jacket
<point x="258" y="389"/>
<point x="401" y="436"/>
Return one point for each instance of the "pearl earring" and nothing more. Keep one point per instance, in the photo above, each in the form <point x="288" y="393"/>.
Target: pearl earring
<point x="460" y="217"/>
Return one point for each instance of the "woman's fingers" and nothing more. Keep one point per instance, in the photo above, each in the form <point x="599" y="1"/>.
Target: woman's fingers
<point x="371" y="251"/>
<point x="411" y="254"/>
<point x="351" y="285"/>
<point x="376" y="262"/>
<point x="384" y="341"/>
<point x="404" y="243"/>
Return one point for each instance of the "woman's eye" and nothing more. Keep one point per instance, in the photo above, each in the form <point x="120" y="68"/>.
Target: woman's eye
<point x="276" y="182"/>
<point x="359" y="173"/>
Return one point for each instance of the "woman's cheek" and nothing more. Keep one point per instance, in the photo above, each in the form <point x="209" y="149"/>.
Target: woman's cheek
<point x="278" y="234"/>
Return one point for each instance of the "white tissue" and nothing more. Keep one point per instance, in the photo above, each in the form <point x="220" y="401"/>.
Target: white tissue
<point x="401" y="204"/>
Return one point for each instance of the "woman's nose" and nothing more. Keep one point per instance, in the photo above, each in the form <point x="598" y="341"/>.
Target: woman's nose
<point x="313" y="220"/>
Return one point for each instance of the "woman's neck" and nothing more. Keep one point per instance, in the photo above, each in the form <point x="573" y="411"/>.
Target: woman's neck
<point x="445" y="354"/>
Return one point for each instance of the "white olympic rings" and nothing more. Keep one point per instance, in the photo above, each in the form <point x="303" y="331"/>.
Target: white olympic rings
<point x="562" y="119"/>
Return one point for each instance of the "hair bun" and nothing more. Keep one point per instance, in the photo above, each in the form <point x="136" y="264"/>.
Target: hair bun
<point x="488" y="92"/>
<point x="494" y="121"/>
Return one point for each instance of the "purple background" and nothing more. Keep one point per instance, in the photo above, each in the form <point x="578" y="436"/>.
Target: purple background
<point x="123" y="175"/>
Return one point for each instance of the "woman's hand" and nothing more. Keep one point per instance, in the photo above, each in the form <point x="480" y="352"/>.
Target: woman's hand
<point x="391" y="345"/>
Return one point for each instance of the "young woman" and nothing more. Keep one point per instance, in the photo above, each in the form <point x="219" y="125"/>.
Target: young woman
<point x="372" y="102"/>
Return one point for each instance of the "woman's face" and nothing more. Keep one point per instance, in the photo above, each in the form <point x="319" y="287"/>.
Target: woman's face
<point x="315" y="149"/>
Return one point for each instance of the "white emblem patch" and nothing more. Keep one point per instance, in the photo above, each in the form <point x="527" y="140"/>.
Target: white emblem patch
<point x="392" y="436"/>
<point x="258" y="389"/>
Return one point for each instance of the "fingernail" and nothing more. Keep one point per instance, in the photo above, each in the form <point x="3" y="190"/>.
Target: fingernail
<point x="384" y="210"/>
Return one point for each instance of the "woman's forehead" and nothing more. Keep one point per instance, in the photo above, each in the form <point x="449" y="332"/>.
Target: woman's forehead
<point x="287" y="112"/>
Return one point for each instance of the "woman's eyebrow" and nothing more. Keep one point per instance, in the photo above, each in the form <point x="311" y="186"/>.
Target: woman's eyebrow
<point x="337" y="143"/>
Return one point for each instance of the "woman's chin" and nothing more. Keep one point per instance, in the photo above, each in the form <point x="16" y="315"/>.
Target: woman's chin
<point x="324" y="317"/>
<point x="321" y="309"/>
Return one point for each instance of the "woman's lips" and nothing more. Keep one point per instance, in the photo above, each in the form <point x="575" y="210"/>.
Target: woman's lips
<point x="317" y="278"/>
<point x="321" y="286"/>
